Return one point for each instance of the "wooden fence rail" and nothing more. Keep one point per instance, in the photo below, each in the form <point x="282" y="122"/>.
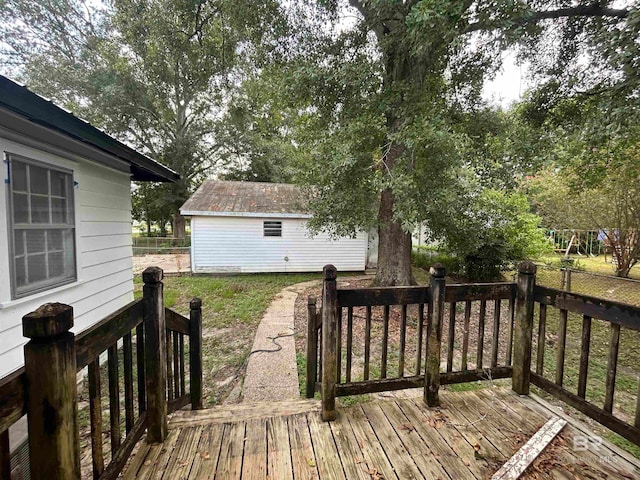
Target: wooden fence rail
<point x="136" y="341"/>
<point x="407" y="352"/>
<point x="412" y="320"/>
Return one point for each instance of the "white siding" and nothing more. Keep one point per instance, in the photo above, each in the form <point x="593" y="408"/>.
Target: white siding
<point x="103" y="252"/>
<point x="237" y="244"/>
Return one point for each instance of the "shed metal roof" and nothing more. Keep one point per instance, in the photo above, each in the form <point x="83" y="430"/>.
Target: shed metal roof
<point x="227" y="198"/>
<point x="27" y="114"/>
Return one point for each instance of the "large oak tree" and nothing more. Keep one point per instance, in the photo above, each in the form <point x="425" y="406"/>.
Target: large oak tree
<point x="383" y="98"/>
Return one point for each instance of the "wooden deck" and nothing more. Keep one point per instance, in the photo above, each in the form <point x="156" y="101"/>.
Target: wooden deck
<point x="469" y="437"/>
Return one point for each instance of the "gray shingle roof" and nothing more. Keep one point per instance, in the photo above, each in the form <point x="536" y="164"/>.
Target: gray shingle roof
<point x="226" y="197"/>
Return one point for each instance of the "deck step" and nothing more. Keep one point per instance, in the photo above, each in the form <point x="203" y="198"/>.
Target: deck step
<point x="242" y="412"/>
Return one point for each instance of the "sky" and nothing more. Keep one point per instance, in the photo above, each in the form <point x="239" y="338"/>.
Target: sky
<point x="509" y="84"/>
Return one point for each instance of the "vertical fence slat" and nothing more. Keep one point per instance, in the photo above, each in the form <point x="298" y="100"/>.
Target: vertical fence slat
<point x="419" y="339"/>
<point x="339" y="347"/>
<point x="168" y="360"/>
<point x="183" y="380"/>
<point x="451" y="336"/>
<point x="562" y="344"/>
<point x="542" y="338"/>
<point x="95" y="414"/>
<point x="154" y="354"/>
<point x="385" y="343"/>
<point x="367" y="342"/>
<point x="5" y="456"/>
<point x="512" y="316"/>
<point x="114" y="397"/>
<point x="329" y="343"/>
<point x="523" y="331"/>
<point x="176" y="365"/>
<point x="495" y="341"/>
<point x="403" y="339"/>
<point x="612" y="365"/>
<point x="584" y="356"/>
<point x="127" y="354"/>
<point x="349" y="343"/>
<point x="465" y="334"/>
<point x="481" y="319"/>
<point x="195" y="353"/>
<point x="142" y="397"/>
<point x="320" y="348"/>
<point x="312" y="348"/>
<point x="50" y="369"/>
<point x="434" y="335"/>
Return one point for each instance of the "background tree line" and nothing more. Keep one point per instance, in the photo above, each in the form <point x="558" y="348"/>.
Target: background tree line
<point x="374" y="107"/>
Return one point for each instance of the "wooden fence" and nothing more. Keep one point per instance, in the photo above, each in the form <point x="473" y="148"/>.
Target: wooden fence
<point x="504" y="351"/>
<point x="155" y="383"/>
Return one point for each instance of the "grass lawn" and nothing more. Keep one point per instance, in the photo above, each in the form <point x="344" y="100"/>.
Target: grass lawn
<point x="232" y="308"/>
<point x="590" y="264"/>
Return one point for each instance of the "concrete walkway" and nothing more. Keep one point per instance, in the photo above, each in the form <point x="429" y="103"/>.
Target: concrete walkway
<point x="273" y="375"/>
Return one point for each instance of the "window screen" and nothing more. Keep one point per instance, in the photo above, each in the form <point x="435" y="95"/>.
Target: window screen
<point x="272" y="228"/>
<point x="42" y="226"/>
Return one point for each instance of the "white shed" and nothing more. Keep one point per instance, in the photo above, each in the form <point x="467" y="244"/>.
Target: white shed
<point x="65" y="215"/>
<point x="250" y="227"/>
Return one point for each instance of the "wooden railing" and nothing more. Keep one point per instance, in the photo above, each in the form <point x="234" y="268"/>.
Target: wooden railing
<point x="618" y="317"/>
<point x="418" y="317"/>
<point x="135" y="339"/>
<point x="503" y="314"/>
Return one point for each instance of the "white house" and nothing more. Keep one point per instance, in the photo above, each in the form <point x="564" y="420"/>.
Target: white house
<point x="65" y="215"/>
<point x="250" y="227"/>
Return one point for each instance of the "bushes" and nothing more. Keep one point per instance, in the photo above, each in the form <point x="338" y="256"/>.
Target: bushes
<point x="492" y="231"/>
<point x="425" y="258"/>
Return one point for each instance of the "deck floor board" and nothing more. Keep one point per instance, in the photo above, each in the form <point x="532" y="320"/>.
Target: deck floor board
<point x="396" y="438"/>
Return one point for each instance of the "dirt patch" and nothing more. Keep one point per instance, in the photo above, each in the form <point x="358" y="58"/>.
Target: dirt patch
<point x="172" y="263"/>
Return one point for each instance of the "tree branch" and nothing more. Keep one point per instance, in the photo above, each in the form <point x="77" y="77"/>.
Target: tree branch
<point x="593" y="10"/>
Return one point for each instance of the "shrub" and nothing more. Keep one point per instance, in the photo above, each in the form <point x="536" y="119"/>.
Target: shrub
<point x="495" y="231"/>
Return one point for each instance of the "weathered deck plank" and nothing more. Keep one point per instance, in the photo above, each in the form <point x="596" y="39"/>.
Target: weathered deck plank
<point x="303" y="459"/>
<point x="392" y="439"/>
<point x="231" y="452"/>
<point x="279" y="455"/>
<point x="254" y="466"/>
<point x="208" y="452"/>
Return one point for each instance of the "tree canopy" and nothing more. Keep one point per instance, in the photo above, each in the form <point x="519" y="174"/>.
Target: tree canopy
<point x="155" y="73"/>
<point x="389" y="103"/>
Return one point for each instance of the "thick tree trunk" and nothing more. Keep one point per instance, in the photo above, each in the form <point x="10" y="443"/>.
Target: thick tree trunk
<point x="394" y="247"/>
<point x="178" y="226"/>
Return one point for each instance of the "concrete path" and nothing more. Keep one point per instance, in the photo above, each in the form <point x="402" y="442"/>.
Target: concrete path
<point x="274" y="375"/>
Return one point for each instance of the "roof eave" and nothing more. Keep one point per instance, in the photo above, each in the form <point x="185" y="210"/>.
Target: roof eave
<point x="200" y="213"/>
<point x="41" y="119"/>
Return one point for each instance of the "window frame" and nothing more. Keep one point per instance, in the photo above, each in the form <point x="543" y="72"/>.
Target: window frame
<point x="33" y="288"/>
<point x="272" y="228"/>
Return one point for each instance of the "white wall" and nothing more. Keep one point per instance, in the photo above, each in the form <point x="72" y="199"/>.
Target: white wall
<point x="237" y="244"/>
<point x="103" y="252"/>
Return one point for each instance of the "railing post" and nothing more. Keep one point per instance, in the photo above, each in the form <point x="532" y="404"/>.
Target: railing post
<point x="523" y="328"/>
<point x="155" y="352"/>
<point x="329" y="342"/>
<point x="50" y="368"/>
<point x="312" y="347"/>
<point x="434" y="337"/>
<point x="195" y="353"/>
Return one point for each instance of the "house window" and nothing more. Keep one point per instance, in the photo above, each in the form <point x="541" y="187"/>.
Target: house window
<point x="272" y="228"/>
<point x="41" y="226"/>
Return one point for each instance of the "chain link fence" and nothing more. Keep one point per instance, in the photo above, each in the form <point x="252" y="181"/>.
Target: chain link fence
<point x="160" y="245"/>
<point x="608" y="287"/>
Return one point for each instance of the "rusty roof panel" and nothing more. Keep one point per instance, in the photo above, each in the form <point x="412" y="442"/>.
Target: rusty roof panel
<point x="246" y="197"/>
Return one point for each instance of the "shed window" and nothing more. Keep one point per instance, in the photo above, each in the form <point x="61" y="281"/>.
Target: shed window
<point x="272" y="228"/>
<point x="41" y="226"/>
